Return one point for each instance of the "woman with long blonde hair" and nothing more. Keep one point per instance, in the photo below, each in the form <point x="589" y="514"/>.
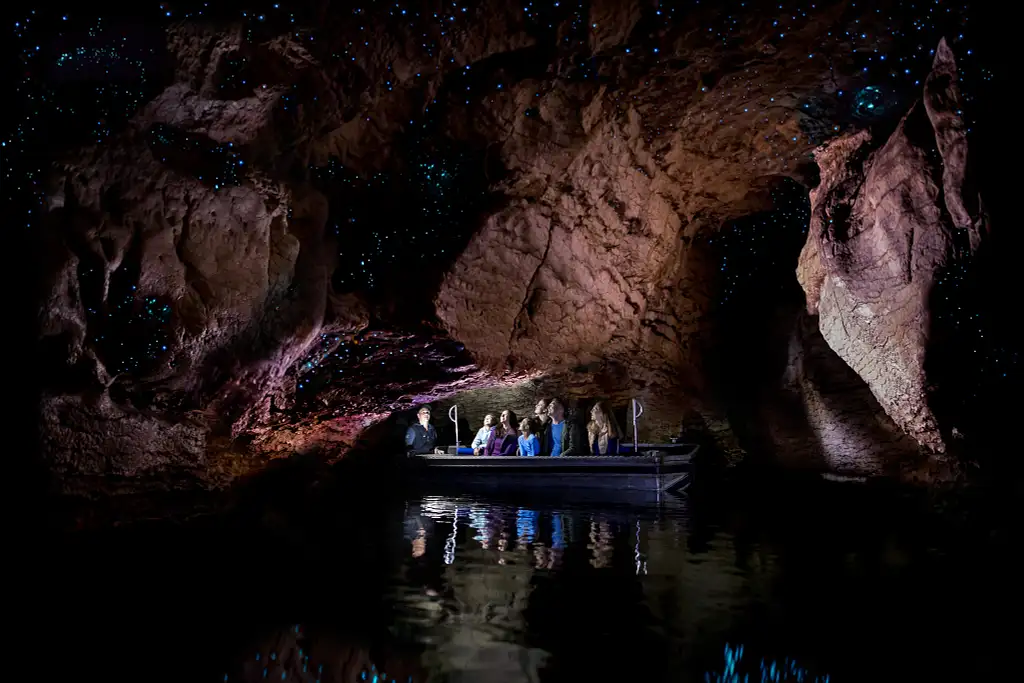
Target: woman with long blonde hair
<point x="603" y="431"/>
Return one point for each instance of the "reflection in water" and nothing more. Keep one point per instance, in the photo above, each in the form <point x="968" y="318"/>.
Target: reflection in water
<point x="296" y="654"/>
<point x="558" y="531"/>
<point x="419" y="544"/>
<point x="465" y="590"/>
<point x="638" y="558"/>
<point x="526" y="525"/>
<point x="600" y="544"/>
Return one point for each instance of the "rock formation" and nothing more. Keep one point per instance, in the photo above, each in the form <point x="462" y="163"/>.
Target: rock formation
<point x="315" y="225"/>
<point x="887" y="221"/>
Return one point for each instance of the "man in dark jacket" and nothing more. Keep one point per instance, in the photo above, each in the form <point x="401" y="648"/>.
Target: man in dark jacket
<point x="421" y="437"/>
<point x="562" y="435"/>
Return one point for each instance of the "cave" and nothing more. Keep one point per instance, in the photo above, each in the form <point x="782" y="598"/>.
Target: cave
<point x="260" y="237"/>
<point x="279" y="239"/>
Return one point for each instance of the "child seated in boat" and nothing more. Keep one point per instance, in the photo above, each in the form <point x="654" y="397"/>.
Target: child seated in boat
<point x="484" y="433"/>
<point x="529" y="444"/>
<point x="603" y="431"/>
<point x="502" y="440"/>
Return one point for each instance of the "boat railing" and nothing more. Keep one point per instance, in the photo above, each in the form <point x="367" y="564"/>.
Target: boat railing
<point x="638" y="410"/>
<point x="453" y="415"/>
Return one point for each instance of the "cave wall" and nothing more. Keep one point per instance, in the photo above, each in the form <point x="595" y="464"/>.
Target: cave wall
<point x="220" y="289"/>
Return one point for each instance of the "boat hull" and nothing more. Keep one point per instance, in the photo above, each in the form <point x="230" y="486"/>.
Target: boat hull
<point x="649" y="473"/>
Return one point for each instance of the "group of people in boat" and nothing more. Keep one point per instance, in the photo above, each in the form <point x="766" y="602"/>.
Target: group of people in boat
<point x="551" y="431"/>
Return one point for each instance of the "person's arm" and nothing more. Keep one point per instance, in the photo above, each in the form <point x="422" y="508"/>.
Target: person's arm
<point x="569" y="439"/>
<point x="478" y="440"/>
<point x="410" y="436"/>
<point x="509" y="446"/>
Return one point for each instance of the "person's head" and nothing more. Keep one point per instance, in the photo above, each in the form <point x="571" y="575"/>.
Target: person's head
<point x="556" y="411"/>
<point x="602" y="420"/>
<point x="423" y="415"/>
<point x="526" y="426"/>
<point x="489" y="420"/>
<point x="541" y="409"/>
<point x="508" y="420"/>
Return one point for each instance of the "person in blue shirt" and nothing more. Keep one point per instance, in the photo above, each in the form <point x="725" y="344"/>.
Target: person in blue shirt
<point x="562" y="433"/>
<point x="603" y="432"/>
<point x="529" y="444"/>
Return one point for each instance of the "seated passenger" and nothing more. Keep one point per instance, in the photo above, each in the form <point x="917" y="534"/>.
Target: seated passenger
<point x="480" y="440"/>
<point x="502" y="440"/>
<point x="421" y="437"/>
<point x="540" y="416"/>
<point x="561" y="435"/>
<point x="603" y="431"/>
<point x="529" y="444"/>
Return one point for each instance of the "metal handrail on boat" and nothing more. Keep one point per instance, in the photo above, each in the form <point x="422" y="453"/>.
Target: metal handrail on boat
<point x="453" y="415"/>
<point x="636" y="405"/>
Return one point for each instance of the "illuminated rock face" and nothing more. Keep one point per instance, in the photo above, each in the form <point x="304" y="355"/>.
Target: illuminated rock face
<point x="223" y="277"/>
<point x="887" y="222"/>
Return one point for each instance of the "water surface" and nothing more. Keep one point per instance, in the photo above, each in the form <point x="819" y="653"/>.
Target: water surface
<point x="829" y="583"/>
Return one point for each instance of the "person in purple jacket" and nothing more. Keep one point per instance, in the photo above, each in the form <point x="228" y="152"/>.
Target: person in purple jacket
<point x="503" y="439"/>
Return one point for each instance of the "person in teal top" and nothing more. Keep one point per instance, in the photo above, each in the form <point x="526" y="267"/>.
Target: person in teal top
<point x="529" y="444"/>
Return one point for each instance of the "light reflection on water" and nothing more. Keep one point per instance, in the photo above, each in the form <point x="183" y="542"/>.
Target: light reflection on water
<point x="496" y="591"/>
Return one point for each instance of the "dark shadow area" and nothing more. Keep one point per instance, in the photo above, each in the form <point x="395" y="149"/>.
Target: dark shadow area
<point x="398" y="232"/>
<point x="108" y="69"/>
<point x="132" y="335"/>
<point x="197" y="156"/>
<point x="891" y="546"/>
<point x="976" y="354"/>
<point x="753" y="316"/>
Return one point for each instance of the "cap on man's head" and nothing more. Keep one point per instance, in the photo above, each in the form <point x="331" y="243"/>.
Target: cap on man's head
<point x="424" y="409"/>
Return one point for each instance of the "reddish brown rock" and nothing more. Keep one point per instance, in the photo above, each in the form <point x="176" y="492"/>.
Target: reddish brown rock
<point x="885" y="223"/>
<point x="612" y="165"/>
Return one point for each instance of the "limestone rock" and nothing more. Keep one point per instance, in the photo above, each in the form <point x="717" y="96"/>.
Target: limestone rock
<point x="886" y="221"/>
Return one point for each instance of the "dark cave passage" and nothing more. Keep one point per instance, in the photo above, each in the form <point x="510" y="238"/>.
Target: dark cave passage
<point x="756" y="307"/>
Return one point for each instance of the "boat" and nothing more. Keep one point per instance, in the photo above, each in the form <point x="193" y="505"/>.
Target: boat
<point x="652" y="472"/>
